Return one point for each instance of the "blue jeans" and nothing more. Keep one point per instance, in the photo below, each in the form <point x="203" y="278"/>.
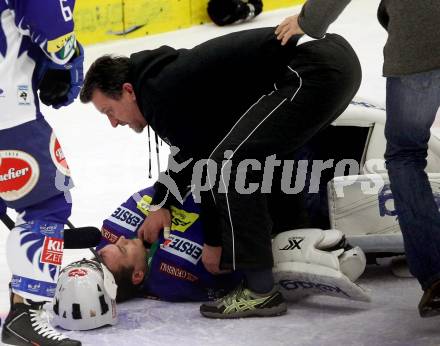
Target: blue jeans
<point x="412" y="103"/>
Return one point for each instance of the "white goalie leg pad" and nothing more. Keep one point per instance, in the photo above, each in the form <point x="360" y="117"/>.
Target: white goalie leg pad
<point x="314" y="262"/>
<point x="297" y="280"/>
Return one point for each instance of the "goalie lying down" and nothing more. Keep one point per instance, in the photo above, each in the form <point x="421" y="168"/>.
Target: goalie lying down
<point x="307" y="261"/>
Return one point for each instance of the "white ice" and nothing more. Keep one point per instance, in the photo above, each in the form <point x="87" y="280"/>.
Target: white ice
<point x="110" y="164"/>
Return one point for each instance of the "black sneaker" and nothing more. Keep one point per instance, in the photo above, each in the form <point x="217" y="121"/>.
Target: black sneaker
<point x="242" y="302"/>
<point x="27" y="324"/>
<point x="429" y="305"/>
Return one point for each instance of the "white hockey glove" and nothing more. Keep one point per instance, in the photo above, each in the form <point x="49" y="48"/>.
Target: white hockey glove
<point x="317" y="262"/>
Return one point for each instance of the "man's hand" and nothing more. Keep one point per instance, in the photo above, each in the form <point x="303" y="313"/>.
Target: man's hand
<point x="153" y="224"/>
<point x="211" y="258"/>
<point x="288" y="28"/>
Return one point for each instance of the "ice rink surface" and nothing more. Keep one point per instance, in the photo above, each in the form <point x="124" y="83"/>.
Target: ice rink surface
<point x="108" y="165"/>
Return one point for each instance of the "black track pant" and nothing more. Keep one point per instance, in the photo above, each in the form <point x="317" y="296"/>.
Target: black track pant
<point x="317" y="86"/>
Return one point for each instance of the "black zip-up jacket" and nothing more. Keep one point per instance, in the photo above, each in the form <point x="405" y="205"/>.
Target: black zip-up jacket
<point x="192" y="97"/>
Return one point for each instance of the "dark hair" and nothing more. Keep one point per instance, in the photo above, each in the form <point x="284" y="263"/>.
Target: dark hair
<point x="126" y="288"/>
<point x="108" y="74"/>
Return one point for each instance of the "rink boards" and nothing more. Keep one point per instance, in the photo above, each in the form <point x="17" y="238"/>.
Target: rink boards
<point x="103" y="20"/>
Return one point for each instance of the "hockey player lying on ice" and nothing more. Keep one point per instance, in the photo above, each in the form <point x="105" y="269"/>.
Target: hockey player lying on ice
<point x="307" y="261"/>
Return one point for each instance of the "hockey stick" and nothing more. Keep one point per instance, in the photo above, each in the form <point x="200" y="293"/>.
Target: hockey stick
<point x="74" y="238"/>
<point x="7" y="221"/>
<point x="68" y="223"/>
<point x="81" y="237"/>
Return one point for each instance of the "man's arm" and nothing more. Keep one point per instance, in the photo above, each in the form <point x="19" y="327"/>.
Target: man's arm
<point x="314" y="19"/>
<point x="317" y="15"/>
<point x="50" y="25"/>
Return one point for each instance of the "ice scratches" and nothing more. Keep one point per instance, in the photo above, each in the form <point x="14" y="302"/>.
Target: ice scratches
<point x="314" y="321"/>
<point x="149" y="322"/>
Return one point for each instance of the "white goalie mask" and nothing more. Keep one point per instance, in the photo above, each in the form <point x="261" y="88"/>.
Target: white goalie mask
<point x="85" y="297"/>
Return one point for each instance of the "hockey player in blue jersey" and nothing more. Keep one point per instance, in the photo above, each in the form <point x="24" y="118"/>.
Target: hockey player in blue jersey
<point x="171" y="269"/>
<point x="38" y="53"/>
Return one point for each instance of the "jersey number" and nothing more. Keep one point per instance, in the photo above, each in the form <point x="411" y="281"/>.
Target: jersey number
<point x="66" y="11"/>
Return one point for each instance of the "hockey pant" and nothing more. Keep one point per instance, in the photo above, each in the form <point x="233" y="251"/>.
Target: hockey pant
<point x="35" y="181"/>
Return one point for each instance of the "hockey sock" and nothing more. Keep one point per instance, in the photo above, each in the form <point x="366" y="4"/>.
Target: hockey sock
<point x="259" y="281"/>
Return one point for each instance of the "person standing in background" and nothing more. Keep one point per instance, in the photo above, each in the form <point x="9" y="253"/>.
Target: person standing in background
<point x="412" y="69"/>
<point x="38" y="52"/>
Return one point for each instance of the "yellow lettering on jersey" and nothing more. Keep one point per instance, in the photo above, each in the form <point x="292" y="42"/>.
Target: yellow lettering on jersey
<point x="144" y="204"/>
<point x="181" y="220"/>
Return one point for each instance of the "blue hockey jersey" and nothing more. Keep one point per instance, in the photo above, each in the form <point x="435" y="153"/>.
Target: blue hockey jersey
<point x="176" y="272"/>
<point x="30" y="32"/>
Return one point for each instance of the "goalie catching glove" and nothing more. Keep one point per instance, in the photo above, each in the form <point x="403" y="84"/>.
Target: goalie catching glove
<point x="317" y="262"/>
<point x="61" y="84"/>
<point x="224" y="12"/>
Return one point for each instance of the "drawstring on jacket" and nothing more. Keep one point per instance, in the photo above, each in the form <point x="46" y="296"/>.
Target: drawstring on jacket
<point x="149" y="152"/>
<point x="156" y="137"/>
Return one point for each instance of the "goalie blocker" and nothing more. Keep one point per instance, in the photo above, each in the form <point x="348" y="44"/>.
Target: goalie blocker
<point x="317" y="262"/>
